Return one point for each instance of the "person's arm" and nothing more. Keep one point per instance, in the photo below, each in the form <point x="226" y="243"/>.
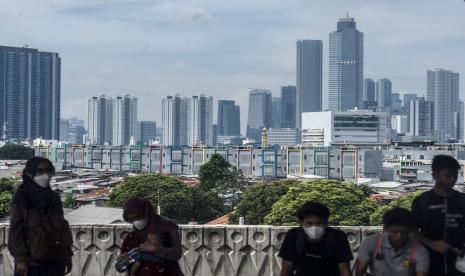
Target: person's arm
<point x="16" y="235"/>
<point x="364" y="257"/>
<point x="172" y="253"/>
<point x="361" y="267"/>
<point x="422" y="261"/>
<point x="344" y="269"/>
<point x="286" y="268"/>
<point x="344" y="254"/>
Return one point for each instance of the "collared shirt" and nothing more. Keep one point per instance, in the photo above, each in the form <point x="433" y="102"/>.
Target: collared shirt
<point x="388" y="262"/>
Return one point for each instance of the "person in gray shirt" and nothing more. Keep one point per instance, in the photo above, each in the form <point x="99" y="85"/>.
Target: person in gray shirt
<point x="394" y="251"/>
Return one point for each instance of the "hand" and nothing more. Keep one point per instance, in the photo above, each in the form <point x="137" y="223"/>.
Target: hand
<point x="69" y="265"/>
<point x="147" y="247"/>
<point x="123" y="257"/>
<point x="439" y="246"/>
<point x="21" y="268"/>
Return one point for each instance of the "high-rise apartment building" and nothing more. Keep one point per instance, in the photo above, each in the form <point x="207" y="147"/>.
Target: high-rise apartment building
<point x="124" y="119"/>
<point x="420" y="119"/>
<point x="345" y="66"/>
<point x="309" y="77"/>
<point x="288" y="106"/>
<point x="64" y="130"/>
<point x="146" y="131"/>
<point x="29" y="93"/>
<point x="384" y="93"/>
<point x="174" y="120"/>
<point x="369" y="90"/>
<point x="100" y="119"/>
<point x="229" y="118"/>
<point x="259" y="116"/>
<point x="275" y="112"/>
<point x="76" y="131"/>
<point x="443" y="91"/>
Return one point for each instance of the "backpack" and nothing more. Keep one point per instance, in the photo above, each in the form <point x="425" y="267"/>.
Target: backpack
<point x="50" y="240"/>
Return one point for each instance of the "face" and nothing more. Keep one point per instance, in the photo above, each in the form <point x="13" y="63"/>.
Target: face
<point x="133" y="217"/>
<point x="445" y="178"/>
<point x="398" y="235"/>
<point x="43" y="168"/>
<point x="313" y="220"/>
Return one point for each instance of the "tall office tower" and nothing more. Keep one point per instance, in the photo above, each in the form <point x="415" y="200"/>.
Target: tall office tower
<point x="461" y="130"/>
<point x="64" y="130"/>
<point x="369" y="92"/>
<point x="309" y="77"/>
<point x="76" y="131"/>
<point x="259" y="116"/>
<point x="396" y="103"/>
<point x="345" y="66"/>
<point x="146" y="131"/>
<point x="229" y="118"/>
<point x="100" y="119"/>
<point x="443" y="91"/>
<point x="200" y="120"/>
<point x="174" y="120"/>
<point x="214" y="134"/>
<point x="384" y="93"/>
<point x="29" y="93"/>
<point x="288" y="106"/>
<point x="405" y="102"/>
<point x="275" y="112"/>
<point x="420" y="118"/>
<point x="124" y="119"/>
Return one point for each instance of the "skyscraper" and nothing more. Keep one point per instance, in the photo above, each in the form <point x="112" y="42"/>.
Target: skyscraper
<point x="124" y="119"/>
<point x="443" y="91"/>
<point x="200" y="118"/>
<point x="420" y="117"/>
<point x="369" y="90"/>
<point x="259" y="116"/>
<point x="76" y="131"/>
<point x="146" y="131"/>
<point x="288" y="107"/>
<point x="275" y="112"/>
<point x="309" y="77"/>
<point x="384" y="93"/>
<point x="396" y="103"/>
<point x="345" y="66"/>
<point x="64" y="130"/>
<point x="228" y="118"/>
<point x="29" y="93"/>
<point x="174" y="120"/>
<point x="100" y="119"/>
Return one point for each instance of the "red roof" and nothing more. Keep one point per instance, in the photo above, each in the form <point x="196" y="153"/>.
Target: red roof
<point x="95" y="194"/>
<point x="221" y="220"/>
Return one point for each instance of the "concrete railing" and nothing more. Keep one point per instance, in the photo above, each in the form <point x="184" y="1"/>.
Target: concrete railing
<point x="208" y="250"/>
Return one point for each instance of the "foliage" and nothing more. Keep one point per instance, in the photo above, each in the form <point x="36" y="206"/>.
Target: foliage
<point x="221" y="188"/>
<point x="175" y="196"/>
<point x="258" y="200"/>
<point x="7" y="189"/>
<point x="16" y="152"/>
<point x="348" y="203"/>
<point x="70" y="201"/>
<point x="404" y="201"/>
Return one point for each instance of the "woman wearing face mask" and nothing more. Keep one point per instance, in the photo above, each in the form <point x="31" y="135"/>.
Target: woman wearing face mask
<point x="35" y="204"/>
<point x="314" y="248"/>
<point x="139" y="212"/>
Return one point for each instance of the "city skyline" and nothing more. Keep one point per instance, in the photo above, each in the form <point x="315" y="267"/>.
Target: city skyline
<point x="410" y="36"/>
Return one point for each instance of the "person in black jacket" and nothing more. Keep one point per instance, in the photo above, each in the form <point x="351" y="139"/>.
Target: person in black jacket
<point x="439" y="215"/>
<point x="31" y="200"/>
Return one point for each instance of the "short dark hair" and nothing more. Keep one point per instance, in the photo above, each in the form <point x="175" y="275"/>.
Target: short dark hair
<point x="398" y="216"/>
<point x="444" y="162"/>
<point x="313" y="208"/>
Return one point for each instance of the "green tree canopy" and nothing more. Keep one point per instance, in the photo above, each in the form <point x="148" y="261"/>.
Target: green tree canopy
<point x="70" y="201"/>
<point x="258" y="200"/>
<point x="175" y="197"/>
<point x="347" y="203"/>
<point x="404" y="201"/>
<point x="7" y="189"/>
<point x="16" y="152"/>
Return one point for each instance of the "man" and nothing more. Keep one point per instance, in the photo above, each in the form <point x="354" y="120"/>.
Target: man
<point x="314" y="248"/>
<point x="393" y="252"/>
<point x="439" y="215"/>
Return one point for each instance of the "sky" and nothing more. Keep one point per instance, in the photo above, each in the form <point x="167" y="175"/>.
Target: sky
<point x="154" y="48"/>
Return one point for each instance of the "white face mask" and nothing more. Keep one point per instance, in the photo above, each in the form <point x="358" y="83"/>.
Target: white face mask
<point x="43" y="180"/>
<point x="139" y="224"/>
<point x="314" y="232"/>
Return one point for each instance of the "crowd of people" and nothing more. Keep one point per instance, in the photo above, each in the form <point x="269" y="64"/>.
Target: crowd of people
<point x="429" y="240"/>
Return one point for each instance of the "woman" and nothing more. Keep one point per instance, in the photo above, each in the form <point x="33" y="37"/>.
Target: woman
<point x="33" y="204"/>
<point x="139" y="212"/>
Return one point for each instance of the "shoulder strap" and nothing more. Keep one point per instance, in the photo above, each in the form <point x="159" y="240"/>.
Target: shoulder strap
<point x="379" y="241"/>
<point x="412" y="258"/>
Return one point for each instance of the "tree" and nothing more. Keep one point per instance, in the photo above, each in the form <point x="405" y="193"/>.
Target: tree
<point x="16" y="152"/>
<point x="175" y="197"/>
<point x="7" y="189"/>
<point x="70" y="201"/>
<point x="404" y="201"/>
<point x="219" y="182"/>
<point x="347" y="203"/>
<point x="258" y="200"/>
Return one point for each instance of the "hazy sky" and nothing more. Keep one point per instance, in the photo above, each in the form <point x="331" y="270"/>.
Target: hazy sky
<point x="151" y="49"/>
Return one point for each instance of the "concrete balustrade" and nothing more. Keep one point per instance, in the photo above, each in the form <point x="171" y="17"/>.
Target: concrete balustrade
<point x="208" y="250"/>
